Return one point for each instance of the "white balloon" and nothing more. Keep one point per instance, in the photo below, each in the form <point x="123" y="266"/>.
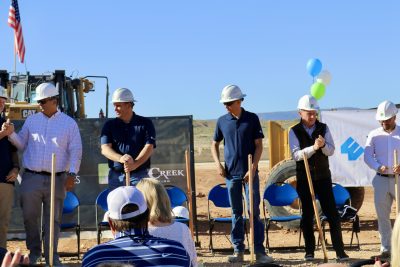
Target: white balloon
<point x="324" y="77"/>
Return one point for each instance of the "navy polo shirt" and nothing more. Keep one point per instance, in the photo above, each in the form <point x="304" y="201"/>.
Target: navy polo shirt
<point x="239" y="136"/>
<point x="128" y="138"/>
<point x="6" y="164"/>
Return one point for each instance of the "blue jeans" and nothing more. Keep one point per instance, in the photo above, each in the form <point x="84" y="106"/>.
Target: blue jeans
<point x="117" y="179"/>
<point x="234" y="185"/>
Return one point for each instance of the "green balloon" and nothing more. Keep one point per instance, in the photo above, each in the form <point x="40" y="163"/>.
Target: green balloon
<point x="318" y="90"/>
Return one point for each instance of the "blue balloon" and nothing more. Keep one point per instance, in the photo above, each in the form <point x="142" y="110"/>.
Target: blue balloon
<point x="314" y="66"/>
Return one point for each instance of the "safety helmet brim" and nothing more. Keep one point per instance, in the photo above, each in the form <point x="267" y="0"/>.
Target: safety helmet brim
<point x="232" y="99"/>
<point x="382" y="117"/>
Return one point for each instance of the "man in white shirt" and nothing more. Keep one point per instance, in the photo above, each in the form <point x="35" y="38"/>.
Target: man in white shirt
<point x="378" y="155"/>
<point x="42" y="134"/>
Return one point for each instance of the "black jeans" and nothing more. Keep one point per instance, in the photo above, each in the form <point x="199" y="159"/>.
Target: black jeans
<point x="324" y="193"/>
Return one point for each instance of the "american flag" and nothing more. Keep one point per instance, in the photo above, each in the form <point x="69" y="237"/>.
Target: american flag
<point x="14" y="20"/>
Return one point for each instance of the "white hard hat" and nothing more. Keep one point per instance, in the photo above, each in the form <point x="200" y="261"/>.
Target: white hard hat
<point x="3" y="92"/>
<point x="122" y="95"/>
<point x="308" y="102"/>
<point x="231" y="93"/>
<point x="181" y="212"/>
<point x="385" y="111"/>
<point x="45" y="90"/>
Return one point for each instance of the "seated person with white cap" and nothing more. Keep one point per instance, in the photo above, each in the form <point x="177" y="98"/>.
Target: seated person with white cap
<point x="128" y="218"/>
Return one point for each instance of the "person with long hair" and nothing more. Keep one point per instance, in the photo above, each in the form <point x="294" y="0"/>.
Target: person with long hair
<point x="161" y="223"/>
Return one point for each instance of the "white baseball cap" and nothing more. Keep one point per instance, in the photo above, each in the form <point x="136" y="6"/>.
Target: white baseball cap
<point x="122" y="196"/>
<point x="181" y="212"/>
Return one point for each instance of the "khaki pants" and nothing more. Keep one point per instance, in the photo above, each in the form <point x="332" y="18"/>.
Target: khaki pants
<point x="6" y="201"/>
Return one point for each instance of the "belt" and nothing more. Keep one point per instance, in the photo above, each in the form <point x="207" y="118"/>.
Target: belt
<point x="43" y="172"/>
<point x="385" y="175"/>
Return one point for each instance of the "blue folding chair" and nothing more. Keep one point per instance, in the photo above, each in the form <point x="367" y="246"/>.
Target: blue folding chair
<point x="178" y="198"/>
<point x="218" y="195"/>
<point x="342" y="199"/>
<point x="280" y="195"/>
<point x="101" y="201"/>
<point x="71" y="203"/>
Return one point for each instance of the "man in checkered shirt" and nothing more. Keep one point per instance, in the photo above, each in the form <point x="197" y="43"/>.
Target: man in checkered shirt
<point x="42" y="134"/>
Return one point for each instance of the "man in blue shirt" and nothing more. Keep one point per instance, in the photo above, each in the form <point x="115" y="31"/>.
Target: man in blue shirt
<point x="9" y="168"/>
<point x="128" y="218"/>
<point x="242" y="135"/>
<point x="127" y="141"/>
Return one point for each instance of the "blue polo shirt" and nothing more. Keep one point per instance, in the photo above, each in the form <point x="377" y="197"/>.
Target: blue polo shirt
<point x="128" y="138"/>
<point x="139" y="251"/>
<point x="239" y="136"/>
<point x="6" y="164"/>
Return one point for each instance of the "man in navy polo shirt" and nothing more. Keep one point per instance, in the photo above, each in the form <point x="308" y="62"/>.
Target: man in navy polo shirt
<point x="9" y="168"/>
<point x="128" y="218"/>
<point x="242" y="135"/>
<point x="127" y="141"/>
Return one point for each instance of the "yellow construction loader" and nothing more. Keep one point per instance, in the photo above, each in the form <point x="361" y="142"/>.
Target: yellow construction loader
<point x="22" y="90"/>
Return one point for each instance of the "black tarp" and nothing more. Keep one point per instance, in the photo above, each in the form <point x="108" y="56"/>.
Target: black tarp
<point x="174" y="137"/>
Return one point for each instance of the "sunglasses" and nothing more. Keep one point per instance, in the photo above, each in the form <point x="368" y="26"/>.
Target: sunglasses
<point x="229" y="103"/>
<point x="44" y="101"/>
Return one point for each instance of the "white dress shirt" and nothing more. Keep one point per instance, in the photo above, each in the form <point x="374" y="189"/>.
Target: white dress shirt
<point x="380" y="146"/>
<point x="297" y="152"/>
<point x="41" y="136"/>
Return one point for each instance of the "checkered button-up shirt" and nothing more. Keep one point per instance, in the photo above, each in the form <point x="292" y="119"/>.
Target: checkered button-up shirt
<point x="41" y="136"/>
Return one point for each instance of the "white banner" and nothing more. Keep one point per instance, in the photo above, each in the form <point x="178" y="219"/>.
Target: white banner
<point x="349" y="130"/>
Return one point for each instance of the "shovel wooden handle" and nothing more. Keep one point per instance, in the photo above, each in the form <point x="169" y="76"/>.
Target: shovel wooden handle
<point x="127" y="178"/>
<point x="251" y="200"/>
<point x="52" y="204"/>
<point x="396" y="181"/>
<point x="189" y="191"/>
<point x="314" y="201"/>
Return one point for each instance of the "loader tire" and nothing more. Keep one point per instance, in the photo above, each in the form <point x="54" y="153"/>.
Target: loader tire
<point x="284" y="171"/>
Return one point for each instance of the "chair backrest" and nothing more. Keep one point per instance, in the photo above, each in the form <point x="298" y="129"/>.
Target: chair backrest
<point x="176" y="195"/>
<point x="219" y="196"/>
<point x="280" y="194"/>
<point x="340" y="194"/>
<point x="101" y="199"/>
<point x="71" y="202"/>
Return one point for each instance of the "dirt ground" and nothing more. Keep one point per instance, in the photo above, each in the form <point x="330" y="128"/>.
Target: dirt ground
<point x="206" y="178"/>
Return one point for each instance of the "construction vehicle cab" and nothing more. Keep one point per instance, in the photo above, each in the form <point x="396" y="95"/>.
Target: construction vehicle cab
<point x="22" y="90"/>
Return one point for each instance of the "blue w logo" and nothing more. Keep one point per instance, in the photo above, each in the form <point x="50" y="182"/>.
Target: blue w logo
<point x="352" y="149"/>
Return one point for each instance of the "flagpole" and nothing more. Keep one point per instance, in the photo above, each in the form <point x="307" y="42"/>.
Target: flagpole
<point x="15" y="56"/>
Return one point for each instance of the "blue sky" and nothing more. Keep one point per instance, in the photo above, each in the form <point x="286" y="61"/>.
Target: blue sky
<point x="177" y="56"/>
